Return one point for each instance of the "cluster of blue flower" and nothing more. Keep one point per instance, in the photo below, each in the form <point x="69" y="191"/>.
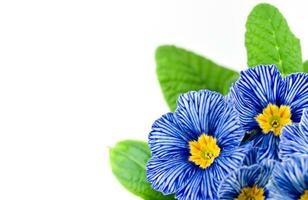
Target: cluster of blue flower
<point x="251" y="144"/>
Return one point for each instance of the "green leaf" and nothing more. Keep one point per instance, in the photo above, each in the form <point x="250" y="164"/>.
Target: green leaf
<point x="269" y="40"/>
<point x="180" y="71"/>
<point x="128" y="162"/>
<point x="306" y="66"/>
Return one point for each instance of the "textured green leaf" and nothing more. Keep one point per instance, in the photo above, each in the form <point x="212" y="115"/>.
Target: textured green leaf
<point x="179" y="71"/>
<point x="306" y="66"/>
<point x="128" y="162"/>
<point x="269" y="40"/>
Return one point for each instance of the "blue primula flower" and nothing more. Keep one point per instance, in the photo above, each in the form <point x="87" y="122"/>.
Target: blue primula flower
<point x="294" y="139"/>
<point x="247" y="182"/>
<point x="195" y="147"/>
<point x="266" y="103"/>
<point x="289" y="180"/>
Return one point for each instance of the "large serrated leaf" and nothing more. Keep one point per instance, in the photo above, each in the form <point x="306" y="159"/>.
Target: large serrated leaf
<point x="269" y="40"/>
<point x="128" y="162"/>
<point x="305" y="66"/>
<point x="180" y="71"/>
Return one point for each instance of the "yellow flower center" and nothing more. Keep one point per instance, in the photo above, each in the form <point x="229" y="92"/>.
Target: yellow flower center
<point x="274" y="118"/>
<point x="304" y="196"/>
<point x="251" y="193"/>
<point x="204" y="151"/>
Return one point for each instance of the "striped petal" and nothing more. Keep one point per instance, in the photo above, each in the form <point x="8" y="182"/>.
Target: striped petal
<point x="168" y="175"/>
<point x="252" y="157"/>
<point x="201" y="186"/>
<point x="293" y="142"/>
<point x="246" y="113"/>
<point x="198" y="112"/>
<point x="167" y="140"/>
<point x="267" y="168"/>
<point x="289" y="179"/>
<point x="228" y="130"/>
<point x="229" y="161"/>
<point x="268" y="148"/>
<point x="304" y="123"/>
<point x="296" y="94"/>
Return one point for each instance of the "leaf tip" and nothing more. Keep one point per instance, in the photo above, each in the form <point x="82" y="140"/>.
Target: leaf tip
<point x="264" y="6"/>
<point x="162" y="50"/>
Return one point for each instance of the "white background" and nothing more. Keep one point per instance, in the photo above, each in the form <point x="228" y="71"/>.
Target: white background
<point x="78" y="76"/>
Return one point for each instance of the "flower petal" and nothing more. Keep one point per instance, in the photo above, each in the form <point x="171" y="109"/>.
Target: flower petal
<point x="289" y="179"/>
<point x="198" y="112"/>
<point x="229" y="161"/>
<point x="293" y="142"/>
<point x="296" y="94"/>
<point x="267" y="167"/>
<point x="268" y="146"/>
<point x="168" y="175"/>
<point x="228" y="130"/>
<point x="167" y="140"/>
<point x="246" y="113"/>
<point x="201" y="186"/>
<point x="252" y="157"/>
<point x="304" y="122"/>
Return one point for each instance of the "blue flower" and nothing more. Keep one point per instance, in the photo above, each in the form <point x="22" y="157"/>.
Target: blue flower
<point x="294" y="139"/>
<point x="195" y="147"/>
<point x="266" y="103"/>
<point x="247" y="182"/>
<point x="289" y="180"/>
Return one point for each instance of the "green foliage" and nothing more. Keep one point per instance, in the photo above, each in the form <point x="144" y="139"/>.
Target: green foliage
<point x="306" y="66"/>
<point x="180" y="71"/>
<point x="269" y="40"/>
<point x="128" y="162"/>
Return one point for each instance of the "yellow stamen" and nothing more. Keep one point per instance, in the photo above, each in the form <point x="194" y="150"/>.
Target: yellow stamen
<point x="251" y="193"/>
<point x="204" y="151"/>
<point x="274" y="118"/>
<point x="304" y="196"/>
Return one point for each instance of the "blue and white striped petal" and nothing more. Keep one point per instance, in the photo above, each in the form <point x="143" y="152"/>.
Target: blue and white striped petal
<point x="294" y="139"/>
<point x="167" y="136"/>
<point x="168" y="175"/>
<point x="267" y="169"/>
<point x="202" y="186"/>
<point x="252" y="157"/>
<point x="296" y="94"/>
<point x="228" y="130"/>
<point x="289" y="179"/>
<point x="304" y="123"/>
<point x="199" y="112"/>
<point x="269" y="147"/>
<point x="229" y="161"/>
